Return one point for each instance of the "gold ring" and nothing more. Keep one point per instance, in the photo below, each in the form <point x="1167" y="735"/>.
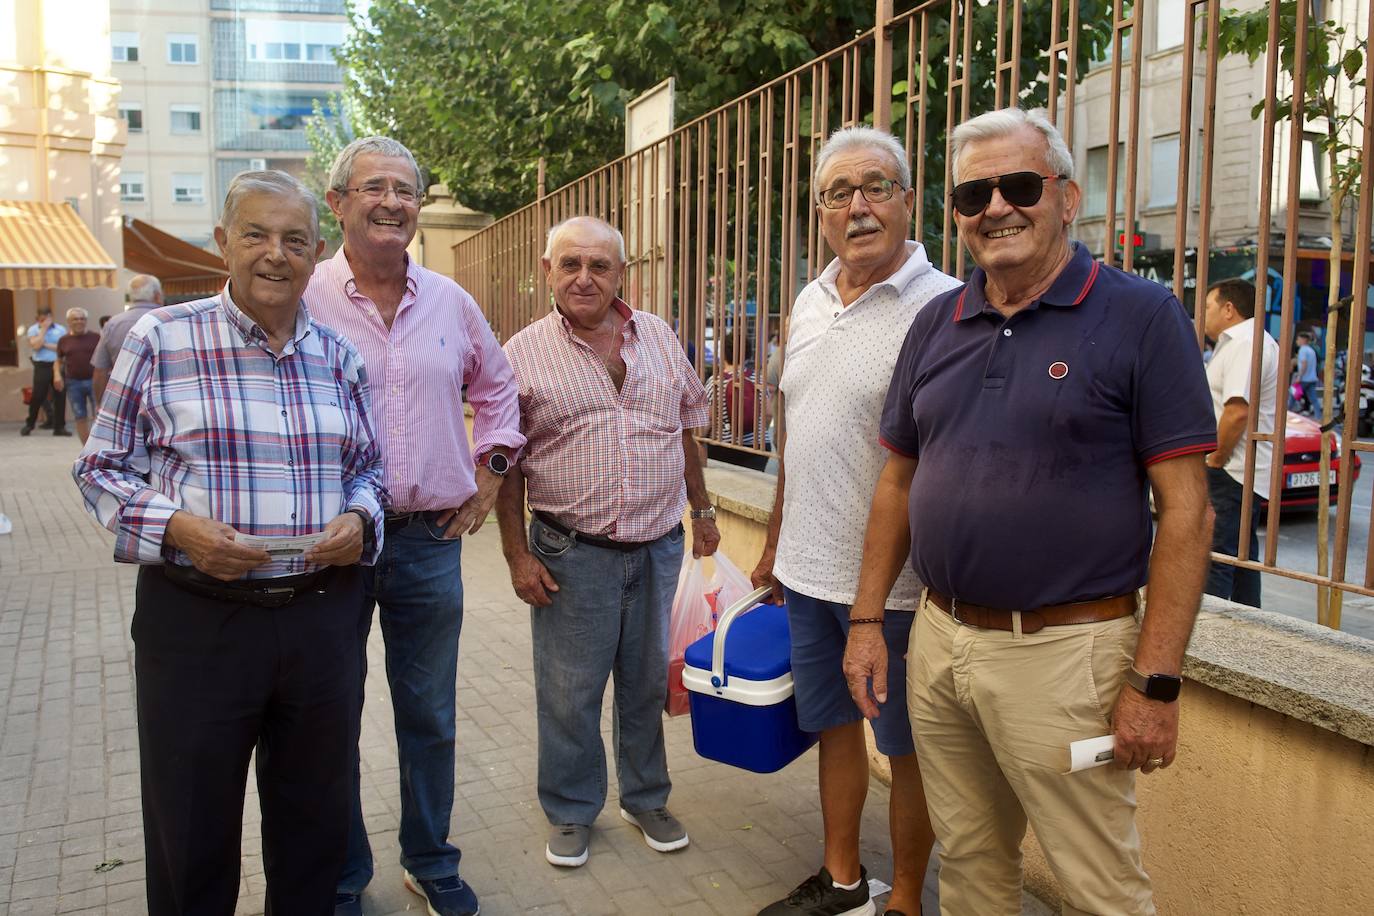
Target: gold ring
<point x="1156" y="761"/>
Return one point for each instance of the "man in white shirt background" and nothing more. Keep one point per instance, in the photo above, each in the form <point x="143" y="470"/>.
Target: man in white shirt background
<point x="1230" y="321"/>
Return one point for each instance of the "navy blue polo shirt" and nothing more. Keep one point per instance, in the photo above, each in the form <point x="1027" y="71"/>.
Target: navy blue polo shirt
<point x="1033" y="433"/>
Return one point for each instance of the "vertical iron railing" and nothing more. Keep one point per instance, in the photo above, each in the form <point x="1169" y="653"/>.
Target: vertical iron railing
<point x="722" y="229"/>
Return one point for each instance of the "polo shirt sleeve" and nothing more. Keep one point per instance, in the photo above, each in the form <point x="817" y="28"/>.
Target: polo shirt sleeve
<point x="1172" y="409"/>
<point x="897" y="428"/>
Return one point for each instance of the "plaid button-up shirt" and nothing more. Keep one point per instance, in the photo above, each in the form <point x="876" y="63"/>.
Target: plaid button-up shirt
<point x="200" y="415"/>
<point x="604" y="462"/>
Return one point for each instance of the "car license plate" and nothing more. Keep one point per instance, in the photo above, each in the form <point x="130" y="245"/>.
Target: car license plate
<point x="1308" y="479"/>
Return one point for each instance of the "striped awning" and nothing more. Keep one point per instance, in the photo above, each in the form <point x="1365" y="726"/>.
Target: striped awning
<point x="47" y="246"/>
<point x="184" y="269"/>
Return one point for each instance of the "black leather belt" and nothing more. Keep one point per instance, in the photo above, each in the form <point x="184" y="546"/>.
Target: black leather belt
<point x="276" y="592"/>
<point x="607" y="543"/>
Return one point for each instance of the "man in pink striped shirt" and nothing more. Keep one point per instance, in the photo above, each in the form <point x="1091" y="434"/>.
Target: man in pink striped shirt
<point x="608" y="402"/>
<point x="424" y="340"/>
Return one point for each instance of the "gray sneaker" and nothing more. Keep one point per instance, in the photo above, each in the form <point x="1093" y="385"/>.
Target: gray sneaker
<point x="568" y="845"/>
<point x="661" y="830"/>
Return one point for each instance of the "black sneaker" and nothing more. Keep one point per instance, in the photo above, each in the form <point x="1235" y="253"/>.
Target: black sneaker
<point x="818" y="896"/>
<point x="62" y="432"/>
<point x="450" y="896"/>
<point x="26" y="430"/>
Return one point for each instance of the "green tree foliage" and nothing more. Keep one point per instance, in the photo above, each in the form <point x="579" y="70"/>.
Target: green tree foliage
<point x="328" y="130"/>
<point x="480" y="89"/>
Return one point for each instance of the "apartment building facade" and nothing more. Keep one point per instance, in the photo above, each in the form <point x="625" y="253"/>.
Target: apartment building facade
<point x="212" y="88"/>
<point x="1237" y="143"/>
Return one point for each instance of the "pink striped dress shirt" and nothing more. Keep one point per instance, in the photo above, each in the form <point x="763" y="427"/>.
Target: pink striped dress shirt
<point x="606" y="463"/>
<point x="438" y="342"/>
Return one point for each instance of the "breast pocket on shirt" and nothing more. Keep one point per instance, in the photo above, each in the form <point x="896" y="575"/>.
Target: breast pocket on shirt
<point x="657" y="403"/>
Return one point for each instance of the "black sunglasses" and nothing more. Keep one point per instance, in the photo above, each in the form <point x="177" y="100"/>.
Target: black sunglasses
<point x="1020" y="189"/>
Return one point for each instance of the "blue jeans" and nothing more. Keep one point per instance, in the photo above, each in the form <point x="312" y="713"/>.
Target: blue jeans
<point x="418" y="585"/>
<point x="80" y="397"/>
<point x="609" y="616"/>
<point x="1223" y="580"/>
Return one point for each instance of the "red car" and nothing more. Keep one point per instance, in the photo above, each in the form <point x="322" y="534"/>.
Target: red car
<point x="1302" y="463"/>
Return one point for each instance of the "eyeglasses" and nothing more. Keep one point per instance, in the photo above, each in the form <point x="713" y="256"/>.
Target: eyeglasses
<point x="875" y="192"/>
<point x="375" y="193"/>
<point x="1020" y="189"/>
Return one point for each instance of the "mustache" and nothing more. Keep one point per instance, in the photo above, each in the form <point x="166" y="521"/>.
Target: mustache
<point x="862" y="224"/>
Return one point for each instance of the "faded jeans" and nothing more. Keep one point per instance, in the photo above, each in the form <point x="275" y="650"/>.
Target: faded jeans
<point x="609" y="617"/>
<point x="418" y="584"/>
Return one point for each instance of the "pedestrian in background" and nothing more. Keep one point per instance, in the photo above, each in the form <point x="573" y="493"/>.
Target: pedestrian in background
<point x="1230" y="321"/>
<point x="145" y="294"/>
<point x="73" y="377"/>
<point x="42" y="339"/>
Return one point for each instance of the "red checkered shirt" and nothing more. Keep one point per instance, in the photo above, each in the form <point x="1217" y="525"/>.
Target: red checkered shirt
<point x="606" y="463"/>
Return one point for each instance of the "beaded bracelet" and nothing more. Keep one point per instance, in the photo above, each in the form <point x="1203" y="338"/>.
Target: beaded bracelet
<point x="865" y="620"/>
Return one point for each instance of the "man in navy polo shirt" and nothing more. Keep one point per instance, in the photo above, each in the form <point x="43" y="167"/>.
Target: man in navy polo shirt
<point x="1029" y="414"/>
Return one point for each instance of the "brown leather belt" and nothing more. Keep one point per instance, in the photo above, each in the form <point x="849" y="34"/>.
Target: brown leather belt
<point x="1053" y="615"/>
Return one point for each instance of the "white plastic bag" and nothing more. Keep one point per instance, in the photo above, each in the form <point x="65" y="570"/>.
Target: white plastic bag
<point x="695" y="607"/>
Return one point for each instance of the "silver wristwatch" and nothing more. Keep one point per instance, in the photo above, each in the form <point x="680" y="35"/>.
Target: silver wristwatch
<point x="708" y="512"/>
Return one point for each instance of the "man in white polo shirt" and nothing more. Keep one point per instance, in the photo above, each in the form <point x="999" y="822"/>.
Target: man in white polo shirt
<point x="847" y="327"/>
<point x="1230" y="321"/>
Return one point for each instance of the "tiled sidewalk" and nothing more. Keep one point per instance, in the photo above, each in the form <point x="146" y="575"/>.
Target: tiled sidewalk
<point x="69" y="792"/>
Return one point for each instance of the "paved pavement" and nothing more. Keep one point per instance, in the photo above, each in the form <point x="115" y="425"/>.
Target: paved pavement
<point x="70" y="827"/>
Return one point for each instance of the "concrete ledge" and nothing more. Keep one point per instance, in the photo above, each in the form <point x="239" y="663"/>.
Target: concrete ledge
<point x="1307" y="672"/>
<point x="1298" y="669"/>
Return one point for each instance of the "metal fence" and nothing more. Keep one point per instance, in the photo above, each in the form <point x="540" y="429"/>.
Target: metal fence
<point x="722" y="231"/>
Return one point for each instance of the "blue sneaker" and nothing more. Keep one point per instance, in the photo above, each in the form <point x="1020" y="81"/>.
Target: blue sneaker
<point x="347" y="905"/>
<point x="449" y="896"/>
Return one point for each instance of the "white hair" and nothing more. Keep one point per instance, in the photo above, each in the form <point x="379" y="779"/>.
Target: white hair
<point x="573" y="222"/>
<point x="851" y="138"/>
<point x="272" y="181"/>
<point x="994" y="124"/>
<point x="341" y="172"/>
<point x="145" y="288"/>
<point x="78" y="312"/>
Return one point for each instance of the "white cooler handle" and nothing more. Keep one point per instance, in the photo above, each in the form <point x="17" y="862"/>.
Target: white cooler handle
<point x="727" y="617"/>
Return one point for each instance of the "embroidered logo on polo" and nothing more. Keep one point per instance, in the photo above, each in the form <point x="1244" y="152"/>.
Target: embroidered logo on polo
<point x="1058" y="369"/>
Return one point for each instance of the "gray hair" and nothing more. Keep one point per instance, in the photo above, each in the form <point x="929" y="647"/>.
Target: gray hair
<point x="341" y="172"/>
<point x="994" y="124"/>
<point x="78" y="311"/>
<point x="850" y="138"/>
<point x="573" y="221"/>
<point x="271" y="181"/>
<point x="145" y="288"/>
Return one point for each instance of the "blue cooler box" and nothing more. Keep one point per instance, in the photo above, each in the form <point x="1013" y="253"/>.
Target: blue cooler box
<point x="740" y="683"/>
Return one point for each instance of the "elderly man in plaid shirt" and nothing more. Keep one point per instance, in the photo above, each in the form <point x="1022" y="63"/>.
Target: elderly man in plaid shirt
<point x="228" y="417"/>
<point x="607" y="403"/>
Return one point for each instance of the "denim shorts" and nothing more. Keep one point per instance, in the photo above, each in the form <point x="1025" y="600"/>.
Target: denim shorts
<point x="79" y="397"/>
<point x="819" y="630"/>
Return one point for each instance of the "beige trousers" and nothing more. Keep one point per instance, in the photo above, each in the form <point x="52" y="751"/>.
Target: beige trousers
<point x="993" y="713"/>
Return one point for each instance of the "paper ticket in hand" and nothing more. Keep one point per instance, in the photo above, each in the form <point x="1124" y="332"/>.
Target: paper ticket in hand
<point x="1091" y="752"/>
<point x="281" y="547"/>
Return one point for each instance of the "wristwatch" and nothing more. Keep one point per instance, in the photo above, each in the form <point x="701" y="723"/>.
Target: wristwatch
<point x="497" y="463"/>
<point x="369" y="532"/>
<point x="1162" y="687"/>
<point x="708" y="512"/>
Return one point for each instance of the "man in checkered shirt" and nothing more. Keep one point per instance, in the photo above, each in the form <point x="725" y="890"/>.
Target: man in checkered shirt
<point x="607" y="403"/>
<point x="239" y="415"/>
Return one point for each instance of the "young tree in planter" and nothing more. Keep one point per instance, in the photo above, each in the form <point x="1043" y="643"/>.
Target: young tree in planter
<point x="1331" y="98"/>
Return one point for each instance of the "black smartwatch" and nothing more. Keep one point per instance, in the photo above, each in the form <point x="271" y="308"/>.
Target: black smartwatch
<point x="1162" y="687"/>
<point x="497" y="463"/>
